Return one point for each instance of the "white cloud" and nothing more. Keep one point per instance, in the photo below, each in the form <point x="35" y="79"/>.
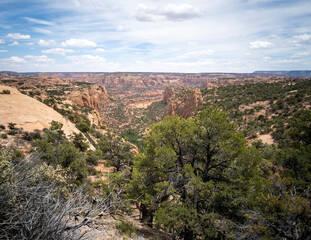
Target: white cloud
<point x="39" y="59"/>
<point x="300" y="54"/>
<point x="302" y="39"/>
<point x="82" y="59"/>
<point x="120" y="28"/>
<point x="260" y="44"/>
<point x="42" y="30"/>
<point x="58" y="51"/>
<point x="2" y="41"/>
<point x="196" y="54"/>
<point x="266" y="58"/>
<point x="76" y="42"/>
<point x="18" y="36"/>
<point x="14" y="59"/>
<point x="46" y="42"/>
<point x="39" y="21"/>
<point x="15" y="43"/>
<point x="169" y="66"/>
<point x="93" y="63"/>
<point x="3" y="50"/>
<point x="100" y="50"/>
<point x="287" y="61"/>
<point x="171" y="12"/>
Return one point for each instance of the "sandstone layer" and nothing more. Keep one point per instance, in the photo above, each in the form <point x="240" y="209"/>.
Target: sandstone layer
<point x="90" y="97"/>
<point x="181" y="100"/>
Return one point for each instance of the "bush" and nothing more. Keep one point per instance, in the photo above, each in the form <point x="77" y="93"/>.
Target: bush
<point x="4" y="136"/>
<point x="83" y="127"/>
<point x="2" y="127"/>
<point x="6" y="92"/>
<point x="126" y="228"/>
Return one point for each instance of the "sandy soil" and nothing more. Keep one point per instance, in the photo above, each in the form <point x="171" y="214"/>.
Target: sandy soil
<point x="266" y="138"/>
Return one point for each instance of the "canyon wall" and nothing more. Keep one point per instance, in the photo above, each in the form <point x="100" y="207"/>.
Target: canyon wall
<point x="182" y="101"/>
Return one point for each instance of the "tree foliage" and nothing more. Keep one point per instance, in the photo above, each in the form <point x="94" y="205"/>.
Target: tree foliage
<point x="196" y="175"/>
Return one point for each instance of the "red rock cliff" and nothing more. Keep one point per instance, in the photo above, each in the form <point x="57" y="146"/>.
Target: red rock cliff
<point x="181" y="100"/>
<point x="90" y="97"/>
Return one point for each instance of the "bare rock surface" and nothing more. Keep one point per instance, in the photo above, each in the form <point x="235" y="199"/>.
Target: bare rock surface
<point x="29" y="113"/>
<point x="90" y="97"/>
<point x="181" y="100"/>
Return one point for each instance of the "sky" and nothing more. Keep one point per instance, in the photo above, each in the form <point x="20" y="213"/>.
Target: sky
<point x="154" y="35"/>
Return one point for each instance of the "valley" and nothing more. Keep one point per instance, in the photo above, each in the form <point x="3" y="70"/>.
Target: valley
<point x="100" y="127"/>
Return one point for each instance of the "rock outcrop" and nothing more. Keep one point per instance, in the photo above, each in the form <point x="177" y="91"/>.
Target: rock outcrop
<point x="181" y="100"/>
<point x="90" y="97"/>
<point x="29" y="114"/>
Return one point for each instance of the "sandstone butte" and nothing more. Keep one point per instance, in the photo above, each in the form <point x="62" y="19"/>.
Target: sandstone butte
<point x="181" y="100"/>
<point x="30" y="114"/>
<point x="90" y="97"/>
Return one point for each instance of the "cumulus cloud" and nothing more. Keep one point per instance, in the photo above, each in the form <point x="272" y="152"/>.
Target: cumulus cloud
<point x="76" y="42"/>
<point x="13" y="59"/>
<point x="300" y="54"/>
<point x="39" y="59"/>
<point x="39" y="21"/>
<point x="260" y="44"/>
<point x="171" y="12"/>
<point x="2" y="41"/>
<point x="18" y="36"/>
<point x="45" y="43"/>
<point x="95" y="63"/>
<point x="58" y="51"/>
<point x="15" y="43"/>
<point x="100" y="50"/>
<point x="302" y="39"/>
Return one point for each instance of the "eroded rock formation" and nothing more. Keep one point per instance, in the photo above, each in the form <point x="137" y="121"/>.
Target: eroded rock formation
<point x="90" y="97"/>
<point x="182" y="101"/>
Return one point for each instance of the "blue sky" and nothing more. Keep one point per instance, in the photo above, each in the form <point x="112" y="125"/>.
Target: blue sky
<point x="155" y="35"/>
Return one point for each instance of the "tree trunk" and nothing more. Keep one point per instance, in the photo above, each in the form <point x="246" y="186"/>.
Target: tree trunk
<point x="188" y="234"/>
<point x="146" y="216"/>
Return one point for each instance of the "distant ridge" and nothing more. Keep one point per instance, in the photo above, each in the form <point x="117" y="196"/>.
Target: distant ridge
<point x="9" y="72"/>
<point x="304" y="73"/>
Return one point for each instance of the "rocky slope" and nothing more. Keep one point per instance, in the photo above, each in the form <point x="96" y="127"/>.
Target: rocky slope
<point x="181" y="100"/>
<point x="28" y="113"/>
<point x="92" y="98"/>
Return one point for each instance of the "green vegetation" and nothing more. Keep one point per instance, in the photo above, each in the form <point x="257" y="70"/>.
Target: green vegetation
<point x="4" y="136"/>
<point x="84" y="126"/>
<point x="117" y="152"/>
<point x="126" y="228"/>
<point x="6" y="92"/>
<point x="190" y="176"/>
<point x="276" y="100"/>
<point x="56" y="150"/>
<point x="196" y="178"/>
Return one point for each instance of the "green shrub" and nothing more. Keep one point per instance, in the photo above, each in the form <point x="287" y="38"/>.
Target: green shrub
<point x="2" y="127"/>
<point x="83" y="126"/>
<point x="126" y="228"/>
<point x="6" y="92"/>
<point x="4" y="136"/>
